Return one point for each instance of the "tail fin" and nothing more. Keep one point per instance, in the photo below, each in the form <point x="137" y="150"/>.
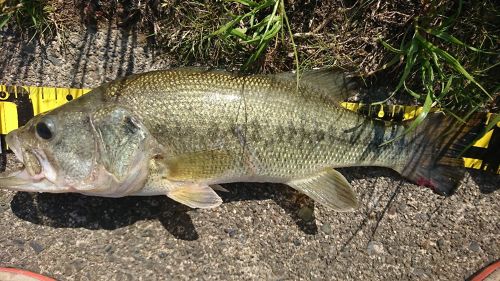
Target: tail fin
<point x="436" y="162"/>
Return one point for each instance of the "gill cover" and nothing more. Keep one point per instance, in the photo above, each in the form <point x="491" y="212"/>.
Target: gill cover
<point x="123" y="152"/>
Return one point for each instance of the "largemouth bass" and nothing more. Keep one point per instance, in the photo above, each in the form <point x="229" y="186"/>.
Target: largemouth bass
<point x="178" y="132"/>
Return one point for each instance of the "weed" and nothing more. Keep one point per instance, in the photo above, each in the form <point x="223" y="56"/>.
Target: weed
<point x="35" y="16"/>
<point x="444" y="81"/>
<point x="260" y="24"/>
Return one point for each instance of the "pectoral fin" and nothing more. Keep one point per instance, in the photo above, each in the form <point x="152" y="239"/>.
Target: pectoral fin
<point x="199" y="165"/>
<point x="330" y="188"/>
<point x="195" y="196"/>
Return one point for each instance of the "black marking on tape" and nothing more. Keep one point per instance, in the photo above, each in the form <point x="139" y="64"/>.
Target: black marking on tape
<point x="490" y="155"/>
<point x="21" y="98"/>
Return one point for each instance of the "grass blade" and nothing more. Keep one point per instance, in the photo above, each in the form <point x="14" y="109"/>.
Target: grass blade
<point x="391" y="48"/>
<point x="453" y="40"/>
<point x="413" y="93"/>
<point x="410" y="63"/>
<point x="452" y="61"/>
<point x="271" y="19"/>
<point x="290" y="33"/>
<point x="4" y="19"/>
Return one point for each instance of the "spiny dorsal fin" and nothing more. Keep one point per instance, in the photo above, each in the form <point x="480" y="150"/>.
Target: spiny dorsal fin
<point x="195" y="195"/>
<point x="334" y="83"/>
<point x="329" y="188"/>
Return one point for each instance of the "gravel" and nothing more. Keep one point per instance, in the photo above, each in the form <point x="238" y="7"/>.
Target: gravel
<point x="261" y="232"/>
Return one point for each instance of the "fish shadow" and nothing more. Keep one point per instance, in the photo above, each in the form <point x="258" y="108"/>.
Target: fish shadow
<point x="71" y="210"/>
<point x="487" y="182"/>
<point x="79" y="211"/>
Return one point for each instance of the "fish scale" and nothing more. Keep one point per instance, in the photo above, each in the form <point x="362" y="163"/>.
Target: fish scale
<point x="277" y="127"/>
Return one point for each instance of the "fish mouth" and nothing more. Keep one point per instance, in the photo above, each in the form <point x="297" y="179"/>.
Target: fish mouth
<point x="29" y="175"/>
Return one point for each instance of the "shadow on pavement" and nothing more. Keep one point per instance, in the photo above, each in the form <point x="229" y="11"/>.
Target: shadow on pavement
<point x="487" y="182"/>
<point x="75" y="210"/>
<point x="374" y="212"/>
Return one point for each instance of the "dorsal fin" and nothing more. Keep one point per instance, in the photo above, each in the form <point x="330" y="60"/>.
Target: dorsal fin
<point x="334" y="83"/>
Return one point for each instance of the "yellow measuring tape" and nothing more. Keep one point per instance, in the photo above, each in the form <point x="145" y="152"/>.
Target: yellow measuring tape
<point x="18" y="104"/>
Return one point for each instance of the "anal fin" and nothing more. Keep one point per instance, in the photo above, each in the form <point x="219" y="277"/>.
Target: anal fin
<point x="329" y="188"/>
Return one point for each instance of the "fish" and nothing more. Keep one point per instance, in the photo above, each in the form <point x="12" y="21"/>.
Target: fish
<point x="182" y="132"/>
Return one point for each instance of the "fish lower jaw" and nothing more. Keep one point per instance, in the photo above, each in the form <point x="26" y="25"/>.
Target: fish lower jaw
<point x="24" y="178"/>
<point x="21" y="180"/>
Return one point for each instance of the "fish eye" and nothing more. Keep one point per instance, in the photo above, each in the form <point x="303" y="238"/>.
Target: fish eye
<point x="45" y="129"/>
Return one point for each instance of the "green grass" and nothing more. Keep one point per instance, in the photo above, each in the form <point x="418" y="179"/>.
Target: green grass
<point x="258" y="26"/>
<point x="441" y="78"/>
<point x="248" y="29"/>
<point x="185" y="29"/>
<point x="36" y="17"/>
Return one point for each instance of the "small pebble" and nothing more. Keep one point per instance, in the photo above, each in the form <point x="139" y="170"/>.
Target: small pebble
<point x="54" y="60"/>
<point x="375" y="248"/>
<point x="18" y="242"/>
<point x="326" y="228"/>
<point x="306" y="213"/>
<point x="419" y="272"/>
<point x="392" y="212"/>
<point x="440" y="243"/>
<point x="231" y="232"/>
<point x="474" y="246"/>
<point x="36" y="247"/>
<point x="108" y="249"/>
<point x="422" y="217"/>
